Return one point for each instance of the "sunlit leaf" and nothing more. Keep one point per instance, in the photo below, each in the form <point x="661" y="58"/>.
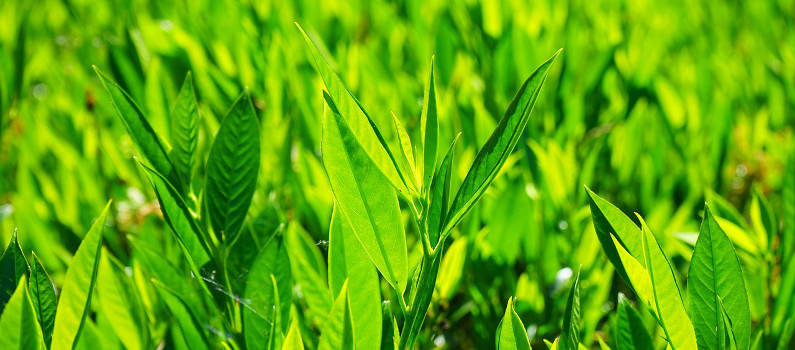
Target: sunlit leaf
<point x="43" y="295"/>
<point x="511" y="334"/>
<point x="430" y="129"/>
<point x="337" y="333"/>
<point x="184" y="132"/>
<point x="261" y="311"/>
<point x="18" y="322"/>
<point x="13" y="266"/>
<point x="570" y="335"/>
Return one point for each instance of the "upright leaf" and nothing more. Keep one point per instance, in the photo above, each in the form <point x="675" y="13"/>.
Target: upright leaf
<point x="75" y="298"/>
<point x="364" y="198"/>
<point x="232" y="169"/>
<point x="180" y="219"/>
<point x="293" y="339"/>
<point x="13" y="266"/>
<point x="570" y="336"/>
<point x="184" y="132"/>
<point x="189" y="324"/>
<point x="116" y="306"/>
<point x="348" y="260"/>
<point x="20" y="330"/>
<point x="337" y="333"/>
<point x="511" y="334"/>
<point x="630" y="333"/>
<point x="609" y="221"/>
<point x="423" y="293"/>
<point x="407" y="149"/>
<point x="261" y="309"/>
<point x="43" y="295"/>
<point x="361" y="125"/>
<point x="140" y="130"/>
<point x="430" y="129"/>
<point x="715" y="276"/>
<point x="439" y="196"/>
<point x="309" y="271"/>
<point x="500" y="144"/>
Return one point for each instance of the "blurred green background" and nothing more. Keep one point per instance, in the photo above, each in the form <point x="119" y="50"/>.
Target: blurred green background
<point x="658" y="106"/>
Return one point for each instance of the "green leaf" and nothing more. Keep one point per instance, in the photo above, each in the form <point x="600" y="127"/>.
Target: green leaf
<point x="309" y="271"/>
<point x="423" y="293"/>
<point x="266" y="303"/>
<point x="13" y="266"/>
<point x="337" y="333"/>
<point x="439" y="196"/>
<point x="140" y="130"/>
<point x="407" y="149"/>
<point x="188" y="323"/>
<point x="763" y="219"/>
<point x="232" y="169"/>
<point x="631" y="334"/>
<point x="348" y="260"/>
<point x="361" y="125"/>
<point x="364" y="199"/>
<point x="570" y="335"/>
<point x="115" y="306"/>
<point x="75" y="298"/>
<point x="430" y="129"/>
<point x="609" y="221"/>
<point x="180" y="219"/>
<point x="511" y="334"/>
<point x="668" y="300"/>
<point x="42" y="293"/>
<point x="293" y="340"/>
<point x="715" y="274"/>
<point x="18" y="322"/>
<point x="184" y="132"/>
<point x="499" y="146"/>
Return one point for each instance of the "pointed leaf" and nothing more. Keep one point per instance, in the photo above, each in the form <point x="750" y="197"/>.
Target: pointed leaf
<point x="13" y="266"/>
<point x="337" y="333"/>
<point x="293" y="340"/>
<point x="630" y="332"/>
<point x="115" y="305"/>
<point x="18" y="323"/>
<point x="499" y="146"/>
<point x="430" y="129"/>
<point x="232" y="169"/>
<point x="75" y="298"/>
<point x="260" y="311"/>
<point x="364" y="199"/>
<point x="609" y="221"/>
<point x="423" y="293"/>
<point x="184" y="132"/>
<point x="188" y="323"/>
<point x="439" y="196"/>
<point x="42" y="293"/>
<point x="715" y="274"/>
<point x="570" y="335"/>
<point x="407" y="149"/>
<point x="511" y="334"/>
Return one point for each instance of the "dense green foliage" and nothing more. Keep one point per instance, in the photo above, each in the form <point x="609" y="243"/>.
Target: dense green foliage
<point x="365" y="175"/>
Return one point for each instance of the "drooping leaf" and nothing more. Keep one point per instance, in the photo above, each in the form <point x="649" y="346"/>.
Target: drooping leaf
<point x="20" y="329"/>
<point x="570" y="335"/>
<point x="260" y="313"/>
<point x="439" y="196"/>
<point x="189" y="324"/>
<point x="364" y="199"/>
<point x="630" y="332"/>
<point x="150" y="144"/>
<point x="715" y="274"/>
<point x="13" y="266"/>
<point x="361" y="125"/>
<point x="430" y="129"/>
<point x="499" y="146"/>
<point x="232" y="169"/>
<point x="511" y="334"/>
<point x="337" y="333"/>
<point x="183" y="224"/>
<point x="184" y="132"/>
<point x="348" y="260"/>
<point x="43" y="295"/>
<point x="75" y="297"/>
<point x="115" y="305"/>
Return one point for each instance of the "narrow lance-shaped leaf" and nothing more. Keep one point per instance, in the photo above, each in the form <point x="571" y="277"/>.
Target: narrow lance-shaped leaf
<point x="570" y="335"/>
<point x="13" y="266"/>
<point x="511" y="334"/>
<point x="115" y="305"/>
<point x="423" y="293"/>
<point x="609" y="221"/>
<point x="232" y="169"/>
<point x="184" y="132"/>
<point x="439" y="195"/>
<point x="75" y="298"/>
<point x="188" y="323"/>
<point x="348" y="260"/>
<point x="630" y="333"/>
<point x="364" y="198"/>
<point x="360" y="123"/>
<point x="407" y="149"/>
<point x="43" y="295"/>
<point x="715" y="275"/>
<point x="140" y="130"/>
<point x="293" y="339"/>
<point x="20" y="330"/>
<point x="430" y="129"/>
<point x="337" y="333"/>
<point x="260" y="311"/>
<point x="667" y="296"/>
<point x="499" y="146"/>
<point x="180" y="219"/>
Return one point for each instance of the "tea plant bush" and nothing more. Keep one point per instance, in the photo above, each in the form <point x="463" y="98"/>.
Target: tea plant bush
<point x="373" y="175"/>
